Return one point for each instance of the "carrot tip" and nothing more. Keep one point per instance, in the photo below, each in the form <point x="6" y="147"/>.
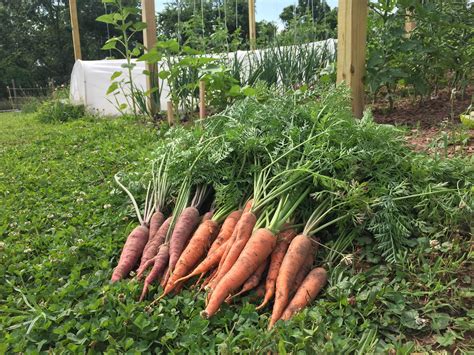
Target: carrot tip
<point x="145" y="290"/>
<point x="204" y="314"/>
<point x="184" y="278"/>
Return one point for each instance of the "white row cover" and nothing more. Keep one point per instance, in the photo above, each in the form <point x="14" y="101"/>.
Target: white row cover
<point x="90" y="80"/>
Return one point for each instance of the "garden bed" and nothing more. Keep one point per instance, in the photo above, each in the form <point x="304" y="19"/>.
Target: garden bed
<point x="64" y="223"/>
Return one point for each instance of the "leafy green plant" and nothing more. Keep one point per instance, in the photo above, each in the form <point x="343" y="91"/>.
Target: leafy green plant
<point x="31" y="105"/>
<point x="53" y="111"/>
<point x="124" y="20"/>
<point x="437" y="54"/>
<point x="181" y="68"/>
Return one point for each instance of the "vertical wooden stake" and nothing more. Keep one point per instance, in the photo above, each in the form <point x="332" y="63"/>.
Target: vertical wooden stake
<point x="149" y="41"/>
<point x="76" y="39"/>
<point x="170" y="113"/>
<point x="202" y="99"/>
<point x="352" y="36"/>
<point x="252" y="26"/>
<point x="10" y="98"/>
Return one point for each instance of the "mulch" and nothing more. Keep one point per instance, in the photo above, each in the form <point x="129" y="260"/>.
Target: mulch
<point x="433" y="124"/>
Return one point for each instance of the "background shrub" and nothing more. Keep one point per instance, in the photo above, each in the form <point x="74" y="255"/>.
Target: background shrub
<point x="59" y="111"/>
<point x="31" y="105"/>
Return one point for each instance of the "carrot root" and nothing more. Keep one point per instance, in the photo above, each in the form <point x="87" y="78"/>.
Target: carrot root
<point x="243" y="232"/>
<point x="294" y="258"/>
<point x="258" y="248"/>
<point x="183" y="230"/>
<point x="306" y="293"/>
<point x="193" y="252"/>
<point x="152" y="247"/>
<point x="160" y="262"/>
<point x="131" y="252"/>
<point x="284" y="240"/>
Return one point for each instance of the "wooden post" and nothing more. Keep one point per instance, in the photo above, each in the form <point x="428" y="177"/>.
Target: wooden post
<point x="202" y="99"/>
<point x="170" y="112"/>
<point x="76" y="39"/>
<point x="252" y="26"/>
<point x="10" y="98"/>
<point x="352" y="36"/>
<point x="149" y="41"/>
<point x="14" y="89"/>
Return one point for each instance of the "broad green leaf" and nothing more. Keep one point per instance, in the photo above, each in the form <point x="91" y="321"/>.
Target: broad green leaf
<point x="440" y="321"/>
<point x="163" y="74"/>
<point x="249" y="91"/>
<point x="109" y="45"/>
<point x="115" y="75"/>
<point x="136" y="52"/>
<point x="127" y="11"/>
<point x="117" y="17"/>
<point x="139" y="26"/>
<point x="171" y="45"/>
<point x="151" y="57"/>
<point x="447" y="339"/>
<point x="113" y="87"/>
<point x="108" y="18"/>
<point x="234" y="90"/>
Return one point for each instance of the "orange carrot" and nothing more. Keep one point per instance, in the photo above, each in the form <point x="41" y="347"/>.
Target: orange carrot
<point x="254" y="279"/>
<point x="226" y="230"/>
<point x="184" y="228"/>
<point x="284" y="240"/>
<point x="302" y="272"/>
<point x="194" y="251"/>
<point x="207" y="264"/>
<point x="206" y="216"/>
<point x="131" y="252"/>
<point x="160" y="262"/>
<point x="151" y="248"/>
<point x="225" y="252"/>
<point x="307" y="292"/>
<point x="243" y="232"/>
<point x="294" y="258"/>
<point x="258" y="248"/>
<point x="248" y="205"/>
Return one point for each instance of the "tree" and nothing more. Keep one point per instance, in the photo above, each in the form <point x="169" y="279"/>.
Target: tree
<point x="310" y="20"/>
<point x="312" y="9"/>
<point x="204" y="25"/>
<point x="36" y="45"/>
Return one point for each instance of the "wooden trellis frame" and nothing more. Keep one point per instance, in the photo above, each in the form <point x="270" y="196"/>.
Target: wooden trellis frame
<point x="252" y="26"/>
<point x="352" y="37"/>
<point x="149" y="41"/>
<point x="351" y="43"/>
<point x="76" y="39"/>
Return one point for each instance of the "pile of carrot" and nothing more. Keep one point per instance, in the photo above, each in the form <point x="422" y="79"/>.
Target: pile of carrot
<point x="241" y="203"/>
<point x="227" y="252"/>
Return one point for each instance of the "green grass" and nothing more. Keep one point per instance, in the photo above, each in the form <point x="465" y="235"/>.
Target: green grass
<point x="62" y="228"/>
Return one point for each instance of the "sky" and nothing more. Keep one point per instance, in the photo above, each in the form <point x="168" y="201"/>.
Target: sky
<point x="268" y="10"/>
